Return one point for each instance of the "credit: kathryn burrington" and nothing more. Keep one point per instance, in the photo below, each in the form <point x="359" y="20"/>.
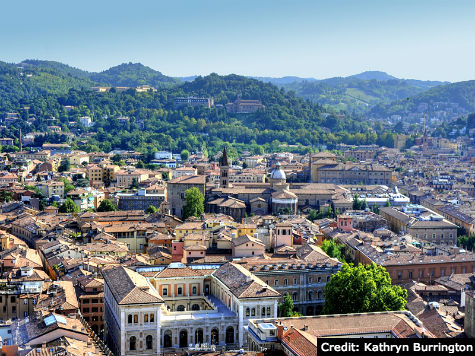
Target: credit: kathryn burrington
<point x="335" y="346"/>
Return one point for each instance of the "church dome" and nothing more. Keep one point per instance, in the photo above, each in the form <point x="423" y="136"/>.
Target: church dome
<point x="278" y="173"/>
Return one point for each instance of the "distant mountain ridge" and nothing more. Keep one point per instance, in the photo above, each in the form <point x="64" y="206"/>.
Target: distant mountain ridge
<point x="372" y="92"/>
<point x="460" y="93"/>
<point x="125" y="74"/>
<point x="355" y="93"/>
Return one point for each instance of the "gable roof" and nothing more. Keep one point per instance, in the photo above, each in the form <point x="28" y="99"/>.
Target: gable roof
<point x="242" y="283"/>
<point x="129" y="287"/>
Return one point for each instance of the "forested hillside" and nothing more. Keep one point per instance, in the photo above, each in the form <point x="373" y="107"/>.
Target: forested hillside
<point x="357" y="93"/>
<point x="460" y="93"/>
<point x="155" y="123"/>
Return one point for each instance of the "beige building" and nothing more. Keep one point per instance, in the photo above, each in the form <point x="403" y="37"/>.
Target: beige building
<point x="247" y="246"/>
<point x="440" y="232"/>
<point x="95" y="175"/>
<point x="51" y="188"/>
<point x="125" y="178"/>
<point x="177" y="188"/>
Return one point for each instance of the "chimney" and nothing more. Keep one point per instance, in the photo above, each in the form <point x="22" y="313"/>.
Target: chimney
<point x="280" y="331"/>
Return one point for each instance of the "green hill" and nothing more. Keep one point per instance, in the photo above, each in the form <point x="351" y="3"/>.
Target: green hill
<point x="459" y="94"/>
<point x="19" y="84"/>
<point x="132" y="75"/>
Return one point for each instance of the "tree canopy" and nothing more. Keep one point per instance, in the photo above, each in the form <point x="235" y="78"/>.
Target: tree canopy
<point x="106" y="205"/>
<point x="286" y="307"/>
<point x="69" y="207"/>
<point x="361" y="289"/>
<point x="194" y="203"/>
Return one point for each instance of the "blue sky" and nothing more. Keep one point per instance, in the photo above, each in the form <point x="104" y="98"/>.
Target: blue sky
<point x="422" y="39"/>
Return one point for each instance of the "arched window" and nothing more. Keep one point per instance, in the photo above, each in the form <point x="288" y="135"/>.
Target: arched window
<point x="149" y="342"/>
<point x="195" y="307"/>
<point x="129" y="319"/>
<point x="268" y="311"/>
<point x="253" y="312"/>
<point x="133" y="343"/>
<point x="152" y="318"/>
<point x="263" y="312"/>
<point x="229" y="335"/>
<point x="180" y="308"/>
<point x="167" y="339"/>
<point x="214" y="336"/>
<point x="248" y="312"/>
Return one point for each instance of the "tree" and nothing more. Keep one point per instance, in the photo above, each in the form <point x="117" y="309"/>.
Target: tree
<point x="152" y="209"/>
<point x="334" y="249"/>
<point x="5" y="196"/>
<point x="194" y="203"/>
<point x="286" y="308"/>
<point x="135" y="184"/>
<point x="467" y="242"/>
<point x="106" y="205"/>
<point x="184" y="155"/>
<point x="356" y="202"/>
<point x="362" y="289"/>
<point x="388" y="204"/>
<point x="312" y="215"/>
<point x="64" y="166"/>
<point x="67" y="186"/>
<point x="69" y="207"/>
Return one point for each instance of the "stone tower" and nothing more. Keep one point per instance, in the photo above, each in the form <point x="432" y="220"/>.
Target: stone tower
<point x="224" y="170"/>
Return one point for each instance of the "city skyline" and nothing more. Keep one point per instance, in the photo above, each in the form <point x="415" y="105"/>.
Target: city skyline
<point x="429" y="40"/>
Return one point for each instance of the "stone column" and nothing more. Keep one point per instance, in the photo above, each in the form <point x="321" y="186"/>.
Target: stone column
<point x="122" y="333"/>
<point x="241" y="325"/>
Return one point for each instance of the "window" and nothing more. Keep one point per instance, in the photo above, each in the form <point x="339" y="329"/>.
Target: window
<point x="399" y="275"/>
<point x="276" y="282"/>
<point x="136" y="318"/>
<point x="309" y="279"/>
<point x="145" y="318"/>
<point x="86" y="310"/>
<point x="263" y="312"/>
<point x="94" y="310"/>
<point x="165" y="291"/>
<point x="295" y="281"/>
<point x="268" y="311"/>
<point x="180" y="291"/>
<point x="248" y="312"/>
<point x="253" y="312"/>
<point x="410" y="275"/>
<point x="194" y="291"/>
<point x="152" y="318"/>
<point x="129" y="317"/>
<point x="149" y="342"/>
<point x="133" y="343"/>
<point x="94" y="301"/>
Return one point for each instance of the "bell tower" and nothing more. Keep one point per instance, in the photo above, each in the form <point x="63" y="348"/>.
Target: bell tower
<point x="224" y="170"/>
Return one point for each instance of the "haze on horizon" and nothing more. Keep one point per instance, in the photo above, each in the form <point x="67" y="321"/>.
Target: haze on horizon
<point x="423" y="39"/>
